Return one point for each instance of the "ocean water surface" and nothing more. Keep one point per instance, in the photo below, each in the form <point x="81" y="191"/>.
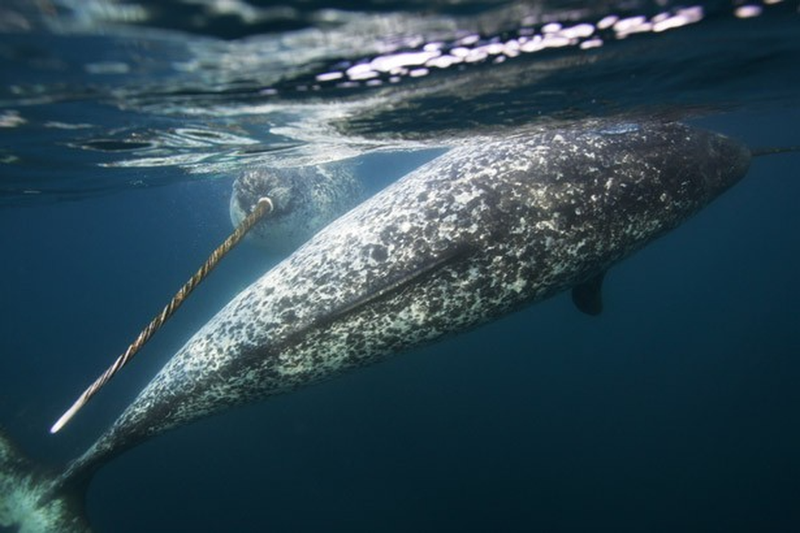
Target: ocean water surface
<point x="124" y="124"/>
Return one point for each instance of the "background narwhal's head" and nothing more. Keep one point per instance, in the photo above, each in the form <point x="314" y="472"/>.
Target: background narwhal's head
<point x="304" y="199"/>
<point x="254" y="184"/>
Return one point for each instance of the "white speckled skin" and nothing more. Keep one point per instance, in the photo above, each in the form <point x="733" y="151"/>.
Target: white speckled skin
<point x="477" y="233"/>
<point x="304" y="200"/>
<point x="22" y="489"/>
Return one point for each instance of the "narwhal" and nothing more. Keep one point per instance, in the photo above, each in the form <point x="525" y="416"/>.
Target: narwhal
<point x="479" y="232"/>
<point x="304" y="200"/>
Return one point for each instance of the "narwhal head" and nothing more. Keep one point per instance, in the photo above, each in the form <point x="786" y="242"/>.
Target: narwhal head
<point x="716" y="162"/>
<point x="283" y="229"/>
<point x="304" y="199"/>
<point x="276" y="184"/>
<point x="667" y="171"/>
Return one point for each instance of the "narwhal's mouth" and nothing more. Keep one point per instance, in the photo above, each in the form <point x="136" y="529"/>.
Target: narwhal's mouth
<point x="246" y="202"/>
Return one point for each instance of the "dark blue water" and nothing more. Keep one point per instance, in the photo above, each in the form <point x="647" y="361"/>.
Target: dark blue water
<point x="676" y="410"/>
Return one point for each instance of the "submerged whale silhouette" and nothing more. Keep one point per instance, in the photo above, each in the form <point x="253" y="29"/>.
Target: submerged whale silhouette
<point x="479" y="232"/>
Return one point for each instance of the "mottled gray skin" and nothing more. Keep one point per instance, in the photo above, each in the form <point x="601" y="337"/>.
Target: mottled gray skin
<point x="25" y="505"/>
<point x="475" y="234"/>
<point x="305" y="199"/>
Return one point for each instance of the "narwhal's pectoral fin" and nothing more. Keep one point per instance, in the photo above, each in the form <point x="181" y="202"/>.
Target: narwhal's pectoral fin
<point x="391" y="285"/>
<point x="588" y="296"/>
<point x="26" y="502"/>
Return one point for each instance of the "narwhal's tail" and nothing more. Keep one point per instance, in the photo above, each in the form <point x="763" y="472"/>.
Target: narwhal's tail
<point x="28" y="503"/>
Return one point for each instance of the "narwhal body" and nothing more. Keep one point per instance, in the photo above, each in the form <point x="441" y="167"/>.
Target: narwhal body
<point x="481" y="231"/>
